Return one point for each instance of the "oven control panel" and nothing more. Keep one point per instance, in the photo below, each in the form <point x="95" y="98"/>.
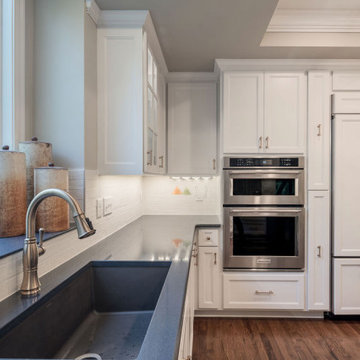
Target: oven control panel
<point x="236" y="162"/>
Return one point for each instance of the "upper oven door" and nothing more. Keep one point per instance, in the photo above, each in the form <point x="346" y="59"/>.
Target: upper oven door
<point x="264" y="187"/>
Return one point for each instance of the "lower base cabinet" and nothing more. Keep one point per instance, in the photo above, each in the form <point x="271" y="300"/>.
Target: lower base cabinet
<point x="187" y="330"/>
<point x="263" y="291"/>
<point x="346" y="289"/>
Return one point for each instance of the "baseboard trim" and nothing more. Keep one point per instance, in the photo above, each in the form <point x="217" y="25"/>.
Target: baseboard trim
<point x="260" y="314"/>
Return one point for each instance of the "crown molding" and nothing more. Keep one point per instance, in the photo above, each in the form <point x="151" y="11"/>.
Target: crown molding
<point x="93" y="10"/>
<point x="189" y="77"/>
<point x="285" y="64"/>
<point x="297" y="20"/>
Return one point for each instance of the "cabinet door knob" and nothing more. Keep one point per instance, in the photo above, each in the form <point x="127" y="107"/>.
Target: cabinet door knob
<point x="208" y="238"/>
<point x="260" y="142"/>
<point x="267" y="142"/>
<point x="319" y="130"/>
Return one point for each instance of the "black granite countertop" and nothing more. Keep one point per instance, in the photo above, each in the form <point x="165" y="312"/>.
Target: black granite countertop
<point x="149" y="238"/>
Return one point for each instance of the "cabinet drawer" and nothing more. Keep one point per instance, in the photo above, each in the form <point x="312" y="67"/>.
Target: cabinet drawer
<point x="263" y="291"/>
<point x="208" y="237"/>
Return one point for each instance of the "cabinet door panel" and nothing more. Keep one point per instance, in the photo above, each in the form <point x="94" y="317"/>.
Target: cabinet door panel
<point x="209" y="289"/>
<point x="285" y="112"/>
<point x="318" y="250"/>
<point x="346" y="286"/>
<point x="161" y="163"/>
<point x="192" y="145"/>
<point x="346" y="193"/>
<point x="120" y="93"/>
<point x="319" y="120"/>
<point x="243" y="112"/>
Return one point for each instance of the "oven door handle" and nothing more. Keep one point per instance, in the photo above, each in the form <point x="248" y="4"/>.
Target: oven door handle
<point x="266" y="210"/>
<point x="266" y="172"/>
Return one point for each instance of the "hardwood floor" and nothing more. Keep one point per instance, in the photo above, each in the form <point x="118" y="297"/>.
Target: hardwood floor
<point x="275" y="339"/>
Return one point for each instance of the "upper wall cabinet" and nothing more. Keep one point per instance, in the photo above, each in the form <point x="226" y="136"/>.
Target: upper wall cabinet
<point x="319" y="118"/>
<point x="264" y="112"/>
<point x="192" y="144"/>
<point x="131" y="95"/>
<point x="243" y="112"/>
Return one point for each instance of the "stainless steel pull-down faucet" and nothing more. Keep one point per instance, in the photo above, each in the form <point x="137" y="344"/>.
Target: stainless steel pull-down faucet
<point x="31" y="285"/>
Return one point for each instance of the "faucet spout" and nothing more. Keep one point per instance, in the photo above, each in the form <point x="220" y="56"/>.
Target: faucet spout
<point x="31" y="285"/>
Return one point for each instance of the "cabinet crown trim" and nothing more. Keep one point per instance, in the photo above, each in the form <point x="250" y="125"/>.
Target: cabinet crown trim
<point x="285" y="64"/>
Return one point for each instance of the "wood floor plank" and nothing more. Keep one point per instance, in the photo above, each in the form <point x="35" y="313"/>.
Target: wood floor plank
<point x="275" y="339"/>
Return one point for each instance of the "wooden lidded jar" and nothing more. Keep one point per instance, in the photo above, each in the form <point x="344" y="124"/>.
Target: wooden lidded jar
<point x="12" y="193"/>
<point x="38" y="154"/>
<point x="53" y="212"/>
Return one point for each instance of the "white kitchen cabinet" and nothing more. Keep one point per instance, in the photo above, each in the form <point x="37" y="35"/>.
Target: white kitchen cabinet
<point x="264" y="112"/>
<point x="192" y="139"/>
<point x="131" y="100"/>
<point x="318" y="269"/>
<point x="208" y="277"/>
<point x="346" y="287"/>
<point x="187" y="330"/>
<point x="285" y="112"/>
<point x="319" y="126"/>
<point x="282" y="291"/>
<point x="243" y="104"/>
<point x="346" y="194"/>
<point x="346" y="80"/>
<point x="346" y="102"/>
<point x="208" y="237"/>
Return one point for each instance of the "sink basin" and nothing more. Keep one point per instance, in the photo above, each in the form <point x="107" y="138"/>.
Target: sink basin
<point x="104" y="308"/>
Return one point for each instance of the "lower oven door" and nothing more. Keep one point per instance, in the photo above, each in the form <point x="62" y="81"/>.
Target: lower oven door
<point x="264" y="238"/>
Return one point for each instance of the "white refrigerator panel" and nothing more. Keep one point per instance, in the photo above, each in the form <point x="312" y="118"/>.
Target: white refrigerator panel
<point x="346" y="185"/>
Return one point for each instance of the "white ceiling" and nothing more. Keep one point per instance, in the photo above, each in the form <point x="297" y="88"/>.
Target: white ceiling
<point x="320" y="4"/>
<point x="193" y="33"/>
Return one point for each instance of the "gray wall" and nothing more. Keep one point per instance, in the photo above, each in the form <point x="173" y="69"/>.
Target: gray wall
<point x="59" y="78"/>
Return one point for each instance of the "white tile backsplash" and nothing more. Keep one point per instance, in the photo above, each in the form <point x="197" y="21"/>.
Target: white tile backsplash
<point x="132" y="196"/>
<point x="199" y="196"/>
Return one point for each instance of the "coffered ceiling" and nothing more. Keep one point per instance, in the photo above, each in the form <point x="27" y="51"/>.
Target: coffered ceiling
<point x="194" y="33"/>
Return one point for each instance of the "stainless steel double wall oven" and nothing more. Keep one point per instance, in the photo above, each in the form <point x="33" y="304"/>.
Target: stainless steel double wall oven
<point x="264" y="220"/>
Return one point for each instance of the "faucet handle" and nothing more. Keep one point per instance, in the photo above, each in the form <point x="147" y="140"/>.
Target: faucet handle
<point x="41" y="241"/>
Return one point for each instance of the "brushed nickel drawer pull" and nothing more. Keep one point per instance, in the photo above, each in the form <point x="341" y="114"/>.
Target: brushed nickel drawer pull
<point x="258" y="292"/>
<point x="215" y="259"/>
<point x="260" y="142"/>
<point x="214" y="164"/>
<point x="319" y="130"/>
<point x="161" y="158"/>
<point x="319" y="251"/>
<point x="267" y="142"/>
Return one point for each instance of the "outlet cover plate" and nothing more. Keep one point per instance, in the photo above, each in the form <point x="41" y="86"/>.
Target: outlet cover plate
<point x="107" y="205"/>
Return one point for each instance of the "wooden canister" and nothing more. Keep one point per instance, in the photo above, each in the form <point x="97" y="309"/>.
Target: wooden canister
<point x="53" y="212"/>
<point x="38" y="154"/>
<point x="12" y="193"/>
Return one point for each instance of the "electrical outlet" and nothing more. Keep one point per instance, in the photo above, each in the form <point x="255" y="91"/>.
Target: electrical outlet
<point x="107" y="205"/>
<point x="99" y="208"/>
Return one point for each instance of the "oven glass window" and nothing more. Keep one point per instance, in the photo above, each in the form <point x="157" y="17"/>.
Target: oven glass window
<point x="264" y="187"/>
<point x="272" y="236"/>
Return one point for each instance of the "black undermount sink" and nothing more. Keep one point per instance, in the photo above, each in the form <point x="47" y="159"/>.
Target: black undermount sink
<point x="104" y="308"/>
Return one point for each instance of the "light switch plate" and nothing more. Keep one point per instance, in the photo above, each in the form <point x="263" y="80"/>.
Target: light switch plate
<point x="99" y="208"/>
<point x="107" y="205"/>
